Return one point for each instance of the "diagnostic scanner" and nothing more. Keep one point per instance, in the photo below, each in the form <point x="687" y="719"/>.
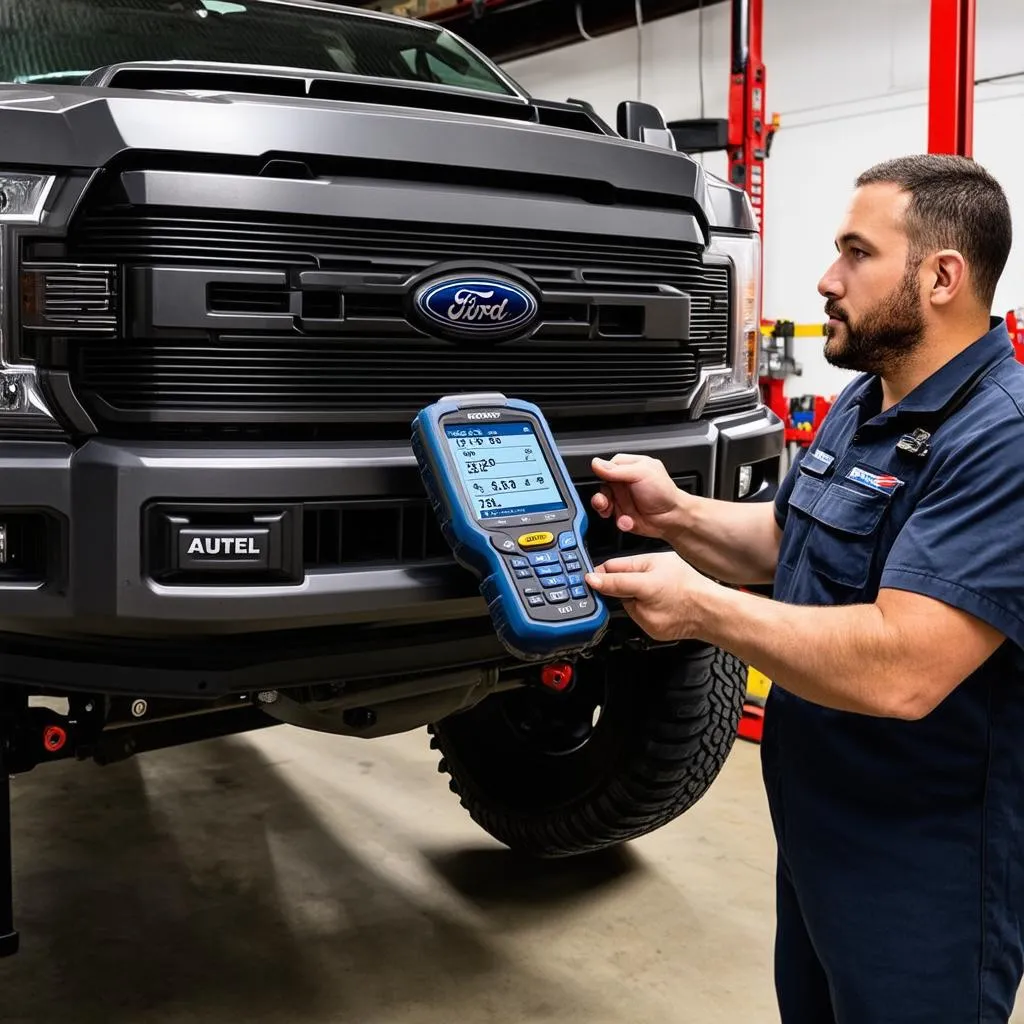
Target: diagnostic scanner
<point x="509" y="511"/>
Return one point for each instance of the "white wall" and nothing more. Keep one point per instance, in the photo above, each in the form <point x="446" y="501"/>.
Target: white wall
<point x="851" y="90"/>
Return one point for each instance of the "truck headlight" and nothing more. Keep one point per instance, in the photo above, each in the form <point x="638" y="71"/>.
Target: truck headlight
<point x="740" y="378"/>
<point x="23" y="197"/>
<point x="23" y="409"/>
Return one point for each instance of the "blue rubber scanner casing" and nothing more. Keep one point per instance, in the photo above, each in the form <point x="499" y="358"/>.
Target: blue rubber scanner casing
<point x="524" y="637"/>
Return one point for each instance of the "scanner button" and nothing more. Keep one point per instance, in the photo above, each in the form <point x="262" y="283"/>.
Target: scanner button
<point x="540" y="539"/>
<point x="557" y="596"/>
<point x="548" y="570"/>
<point x="531" y="591"/>
<point x="579" y="592"/>
<point x="567" y="541"/>
<point x="576" y="580"/>
<point x="573" y="566"/>
<point x="553" y="581"/>
<point x="503" y="543"/>
<point x="535" y="601"/>
<point x="523" y="574"/>
<point x="519" y="563"/>
<point x="544" y="558"/>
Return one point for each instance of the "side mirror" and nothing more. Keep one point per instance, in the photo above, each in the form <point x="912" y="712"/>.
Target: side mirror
<point x="643" y="122"/>
<point x="700" y="135"/>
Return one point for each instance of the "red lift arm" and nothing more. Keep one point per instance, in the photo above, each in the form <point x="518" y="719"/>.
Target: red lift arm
<point x="750" y="132"/>
<point x="951" y="78"/>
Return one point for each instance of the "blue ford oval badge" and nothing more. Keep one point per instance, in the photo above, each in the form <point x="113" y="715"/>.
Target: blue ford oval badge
<point x="477" y="305"/>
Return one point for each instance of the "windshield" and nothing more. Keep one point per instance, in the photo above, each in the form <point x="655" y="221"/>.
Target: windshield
<point x="65" y="40"/>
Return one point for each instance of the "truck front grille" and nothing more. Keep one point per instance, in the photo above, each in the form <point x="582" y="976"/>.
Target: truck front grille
<point x="588" y="363"/>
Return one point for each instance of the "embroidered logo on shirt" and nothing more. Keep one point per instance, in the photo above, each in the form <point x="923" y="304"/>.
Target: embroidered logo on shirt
<point x="886" y="483"/>
<point x="823" y="457"/>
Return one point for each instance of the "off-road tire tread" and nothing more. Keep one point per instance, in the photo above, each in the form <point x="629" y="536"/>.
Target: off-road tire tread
<point x="686" y="733"/>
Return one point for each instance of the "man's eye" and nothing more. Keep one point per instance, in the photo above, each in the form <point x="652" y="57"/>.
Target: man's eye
<point x="858" y="253"/>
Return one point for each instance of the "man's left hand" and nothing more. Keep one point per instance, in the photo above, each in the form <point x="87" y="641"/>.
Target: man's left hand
<point x="661" y="593"/>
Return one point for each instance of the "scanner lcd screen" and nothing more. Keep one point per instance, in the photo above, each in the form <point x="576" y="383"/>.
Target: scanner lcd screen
<point x="503" y="469"/>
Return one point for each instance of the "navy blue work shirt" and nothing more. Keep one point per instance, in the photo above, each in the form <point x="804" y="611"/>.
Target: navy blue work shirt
<point x="900" y="835"/>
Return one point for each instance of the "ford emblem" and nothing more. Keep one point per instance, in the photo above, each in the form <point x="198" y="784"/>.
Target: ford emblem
<point x="478" y="306"/>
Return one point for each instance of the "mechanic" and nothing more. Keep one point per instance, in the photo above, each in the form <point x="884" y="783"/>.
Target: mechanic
<point x="893" y="747"/>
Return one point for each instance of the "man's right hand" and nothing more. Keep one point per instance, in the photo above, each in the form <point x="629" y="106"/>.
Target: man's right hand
<point x="638" y="492"/>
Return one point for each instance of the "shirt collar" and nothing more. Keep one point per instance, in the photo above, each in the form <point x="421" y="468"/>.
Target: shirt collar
<point x="935" y="391"/>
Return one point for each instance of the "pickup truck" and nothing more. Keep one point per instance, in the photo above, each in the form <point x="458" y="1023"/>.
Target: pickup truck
<point x="215" y="220"/>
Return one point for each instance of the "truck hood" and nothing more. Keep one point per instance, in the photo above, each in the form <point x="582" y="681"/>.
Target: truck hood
<point x="85" y="128"/>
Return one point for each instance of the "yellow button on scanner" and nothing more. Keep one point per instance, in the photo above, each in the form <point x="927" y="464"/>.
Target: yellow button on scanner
<point x="536" y="540"/>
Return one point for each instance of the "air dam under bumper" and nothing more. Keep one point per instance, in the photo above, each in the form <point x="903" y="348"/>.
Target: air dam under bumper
<point x="120" y="518"/>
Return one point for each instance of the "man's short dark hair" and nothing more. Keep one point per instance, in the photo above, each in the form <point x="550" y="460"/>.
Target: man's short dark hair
<point x="954" y="204"/>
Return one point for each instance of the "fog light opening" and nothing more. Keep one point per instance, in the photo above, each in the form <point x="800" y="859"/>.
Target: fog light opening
<point x="11" y="395"/>
<point x="744" y="481"/>
<point x="26" y="547"/>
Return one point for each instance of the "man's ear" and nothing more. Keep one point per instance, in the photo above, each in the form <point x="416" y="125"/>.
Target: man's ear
<point x="946" y="275"/>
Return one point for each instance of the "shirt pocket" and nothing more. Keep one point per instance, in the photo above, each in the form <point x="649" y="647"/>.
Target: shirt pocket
<point x="842" y="540"/>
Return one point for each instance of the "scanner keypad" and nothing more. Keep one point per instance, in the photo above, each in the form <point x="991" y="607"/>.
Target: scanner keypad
<point x="552" y="578"/>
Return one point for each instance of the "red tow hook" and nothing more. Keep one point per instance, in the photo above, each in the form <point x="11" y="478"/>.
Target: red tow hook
<point x="54" y="738"/>
<point x="557" y="676"/>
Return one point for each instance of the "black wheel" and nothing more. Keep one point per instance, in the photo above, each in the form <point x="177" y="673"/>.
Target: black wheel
<point x="636" y="742"/>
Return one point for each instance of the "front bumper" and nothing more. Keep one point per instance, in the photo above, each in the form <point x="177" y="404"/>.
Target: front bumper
<point x="97" y="579"/>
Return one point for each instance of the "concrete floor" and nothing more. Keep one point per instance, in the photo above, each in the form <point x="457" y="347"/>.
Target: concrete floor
<point x="293" y="877"/>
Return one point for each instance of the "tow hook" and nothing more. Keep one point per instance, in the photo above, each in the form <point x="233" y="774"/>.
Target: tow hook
<point x="557" y="676"/>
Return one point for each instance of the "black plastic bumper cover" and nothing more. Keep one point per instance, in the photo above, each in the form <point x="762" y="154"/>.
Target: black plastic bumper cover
<point x="99" y="583"/>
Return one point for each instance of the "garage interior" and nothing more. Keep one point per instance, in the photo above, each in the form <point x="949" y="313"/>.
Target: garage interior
<point x="287" y="876"/>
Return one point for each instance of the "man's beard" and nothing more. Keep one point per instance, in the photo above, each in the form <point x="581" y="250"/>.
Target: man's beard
<point x="883" y="337"/>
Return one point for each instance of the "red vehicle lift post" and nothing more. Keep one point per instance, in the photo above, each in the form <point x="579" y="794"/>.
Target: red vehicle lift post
<point x="951" y="78"/>
<point x="750" y="136"/>
<point x="750" y="131"/>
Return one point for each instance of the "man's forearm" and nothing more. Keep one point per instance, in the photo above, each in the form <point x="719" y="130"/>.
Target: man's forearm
<point x="848" y="658"/>
<point x="729" y="541"/>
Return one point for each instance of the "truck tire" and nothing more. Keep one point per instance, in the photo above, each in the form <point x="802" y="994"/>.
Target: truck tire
<point x="637" y="741"/>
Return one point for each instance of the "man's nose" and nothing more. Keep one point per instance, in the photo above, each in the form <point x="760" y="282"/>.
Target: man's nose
<point x="830" y="286"/>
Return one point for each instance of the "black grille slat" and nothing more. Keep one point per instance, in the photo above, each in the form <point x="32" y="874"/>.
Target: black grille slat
<point x="100" y="227"/>
<point x="331" y="376"/>
<point x="140" y="237"/>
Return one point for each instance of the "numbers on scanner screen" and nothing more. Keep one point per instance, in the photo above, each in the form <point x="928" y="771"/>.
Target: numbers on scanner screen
<point x="477" y="442"/>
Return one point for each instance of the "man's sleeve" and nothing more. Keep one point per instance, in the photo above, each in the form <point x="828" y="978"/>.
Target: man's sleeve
<point x="964" y="542"/>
